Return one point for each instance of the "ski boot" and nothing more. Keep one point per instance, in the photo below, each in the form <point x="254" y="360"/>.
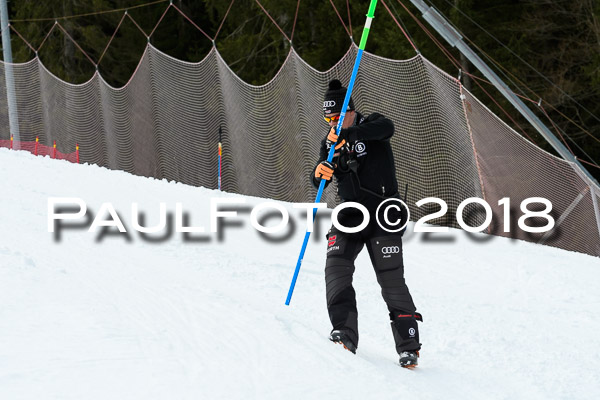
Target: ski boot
<point x="409" y="359"/>
<point x="343" y="339"/>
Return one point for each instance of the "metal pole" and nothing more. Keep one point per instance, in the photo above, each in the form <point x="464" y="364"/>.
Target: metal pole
<point x="443" y="27"/>
<point x="13" y="119"/>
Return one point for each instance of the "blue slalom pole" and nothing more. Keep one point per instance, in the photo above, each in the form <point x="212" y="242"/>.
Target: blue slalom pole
<point x="220" y="148"/>
<point x="361" y="47"/>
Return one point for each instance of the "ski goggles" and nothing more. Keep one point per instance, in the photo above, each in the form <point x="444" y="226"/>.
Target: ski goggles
<point x="334" y="118"/>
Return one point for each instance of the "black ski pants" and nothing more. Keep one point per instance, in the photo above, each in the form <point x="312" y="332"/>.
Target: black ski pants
<point x="385" y="251"/>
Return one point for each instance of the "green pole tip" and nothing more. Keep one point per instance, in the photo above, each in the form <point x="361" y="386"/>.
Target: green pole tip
<point x="371" y="12"/>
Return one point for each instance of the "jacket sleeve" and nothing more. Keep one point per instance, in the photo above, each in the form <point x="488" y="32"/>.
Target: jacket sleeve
<point x="322" y="157"/>
<point x="374" y="127"/>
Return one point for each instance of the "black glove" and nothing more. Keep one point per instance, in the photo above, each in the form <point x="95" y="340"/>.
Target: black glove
<point x="324" y="170"/>
<point x="333" y="138"/>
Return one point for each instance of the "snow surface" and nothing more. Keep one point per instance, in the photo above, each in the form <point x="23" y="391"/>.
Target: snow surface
<point x="107" y="318"/>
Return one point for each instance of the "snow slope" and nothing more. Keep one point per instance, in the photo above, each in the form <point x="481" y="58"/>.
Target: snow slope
<point x="89" y="318"/>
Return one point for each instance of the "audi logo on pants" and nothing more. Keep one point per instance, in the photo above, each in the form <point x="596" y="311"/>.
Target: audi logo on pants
<point x="390" y="250"/>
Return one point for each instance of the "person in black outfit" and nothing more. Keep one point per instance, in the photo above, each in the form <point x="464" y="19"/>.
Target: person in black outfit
<point x="363" y="166"/>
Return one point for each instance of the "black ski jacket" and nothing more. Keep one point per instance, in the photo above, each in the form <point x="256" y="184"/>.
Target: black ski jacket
<point x="365" y="170"/>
